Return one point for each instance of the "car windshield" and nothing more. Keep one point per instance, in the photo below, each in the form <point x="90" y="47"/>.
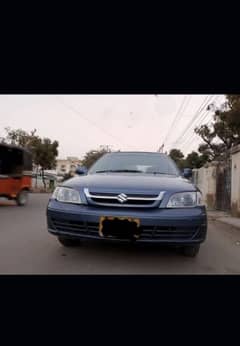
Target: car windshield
<point x="148" y="163"/>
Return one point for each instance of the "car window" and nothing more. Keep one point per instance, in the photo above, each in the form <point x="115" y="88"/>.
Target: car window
<point x="138" y="162"/>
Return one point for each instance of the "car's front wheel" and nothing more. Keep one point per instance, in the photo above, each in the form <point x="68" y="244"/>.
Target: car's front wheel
<point x="191" y="251"/>
<point x="68" y="242"/>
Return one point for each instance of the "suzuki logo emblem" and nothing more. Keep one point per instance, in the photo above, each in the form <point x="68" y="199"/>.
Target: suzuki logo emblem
<point x="122" y="198"/>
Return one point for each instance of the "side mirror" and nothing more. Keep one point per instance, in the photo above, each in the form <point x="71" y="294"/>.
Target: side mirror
<point x="187" y="173"/>
<point x="81" y="170"/>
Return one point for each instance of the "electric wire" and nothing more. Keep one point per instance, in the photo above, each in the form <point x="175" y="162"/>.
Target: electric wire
<point x="74" y="110"/>
<point x="206" y="100"/>
<point x="178" y="115"/>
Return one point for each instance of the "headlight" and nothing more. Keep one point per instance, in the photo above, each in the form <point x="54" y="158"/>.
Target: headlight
<point x="66" y="195"/>
<point x="185" y="200"/>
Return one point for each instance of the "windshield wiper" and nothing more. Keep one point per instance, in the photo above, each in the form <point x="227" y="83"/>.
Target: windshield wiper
<point x="120" y="171"/>
<point x="159" y="173"/>
<point x="104" y="171"/>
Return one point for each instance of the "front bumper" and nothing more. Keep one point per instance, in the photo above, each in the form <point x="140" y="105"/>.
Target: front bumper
<point x="171" y="226"/>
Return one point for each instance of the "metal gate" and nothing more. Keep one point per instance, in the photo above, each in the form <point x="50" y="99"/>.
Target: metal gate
<point x="223" y="186"/>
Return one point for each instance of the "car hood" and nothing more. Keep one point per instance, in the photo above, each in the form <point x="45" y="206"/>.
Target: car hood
<point x="126" y="182"/>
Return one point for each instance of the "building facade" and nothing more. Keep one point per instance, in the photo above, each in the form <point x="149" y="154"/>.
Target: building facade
<point x="67" y="165"/>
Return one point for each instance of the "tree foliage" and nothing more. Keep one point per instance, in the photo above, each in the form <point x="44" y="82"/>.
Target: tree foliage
<point x="177" y="156"/>
<point x="93" y="155"/>
<point x="224" y="131"/>
<point x="46" y="153"/>
<point x="20" y="137"/>
<point x="193" y="160"/>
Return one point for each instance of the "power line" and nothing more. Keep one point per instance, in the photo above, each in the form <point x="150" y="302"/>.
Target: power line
<point x="197" y="114"/>
<point x="195" y="117"/>
<point x="204" y="116"/>
<point x="90" y="121"/>
<point x="177" y="116"/>
<point x="193" y="137"/>
<point x="189" y="139"/>
<point x="186" y="140"/>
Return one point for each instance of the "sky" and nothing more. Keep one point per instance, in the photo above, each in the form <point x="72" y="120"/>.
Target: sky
<point x="124" y="122"/>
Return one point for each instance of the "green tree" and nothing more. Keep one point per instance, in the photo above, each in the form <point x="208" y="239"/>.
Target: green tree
<point x="224" y="131"/>
<point x="46" y="152"/>
<point x="194" y="160"/>
<point x="20" y="137"/>
<point x="177" y="156"/>
<point x="93" y="155"/>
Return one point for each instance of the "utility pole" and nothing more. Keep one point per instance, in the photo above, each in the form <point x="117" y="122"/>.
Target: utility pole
<point x="160" y="150"/>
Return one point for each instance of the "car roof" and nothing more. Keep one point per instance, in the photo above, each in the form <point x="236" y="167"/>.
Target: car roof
<point x="137" y="152"/>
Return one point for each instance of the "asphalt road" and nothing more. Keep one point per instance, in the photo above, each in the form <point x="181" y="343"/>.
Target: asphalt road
<point x="27" y="248"/>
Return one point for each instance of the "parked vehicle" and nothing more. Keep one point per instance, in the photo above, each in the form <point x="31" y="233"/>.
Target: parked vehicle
<point x="133" y="196"/>
<point x="15" y="173"/>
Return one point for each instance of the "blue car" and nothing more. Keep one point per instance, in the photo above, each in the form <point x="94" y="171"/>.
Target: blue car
<point x="129" y="196"/>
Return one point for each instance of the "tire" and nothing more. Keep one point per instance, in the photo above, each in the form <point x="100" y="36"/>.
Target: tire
<point x="68" y="242"/>
<point x="191" y="251"/>
<point x="22" y="198"/>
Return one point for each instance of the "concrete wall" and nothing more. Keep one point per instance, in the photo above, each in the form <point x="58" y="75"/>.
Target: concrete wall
<point x="205" y="179"/>
<point x="235" y="182"/>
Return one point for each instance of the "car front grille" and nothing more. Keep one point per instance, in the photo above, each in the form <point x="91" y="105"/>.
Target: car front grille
<point x="109" y="194"/>
<point x="77" y="227"/>
<point x="168" y="233"/>
<point x="123" y="200"/>
<point x="113" y="202"/>
<point x="90" y="229"/>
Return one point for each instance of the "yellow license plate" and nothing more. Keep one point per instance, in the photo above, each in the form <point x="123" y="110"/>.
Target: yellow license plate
<point x="103" y="218"/>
